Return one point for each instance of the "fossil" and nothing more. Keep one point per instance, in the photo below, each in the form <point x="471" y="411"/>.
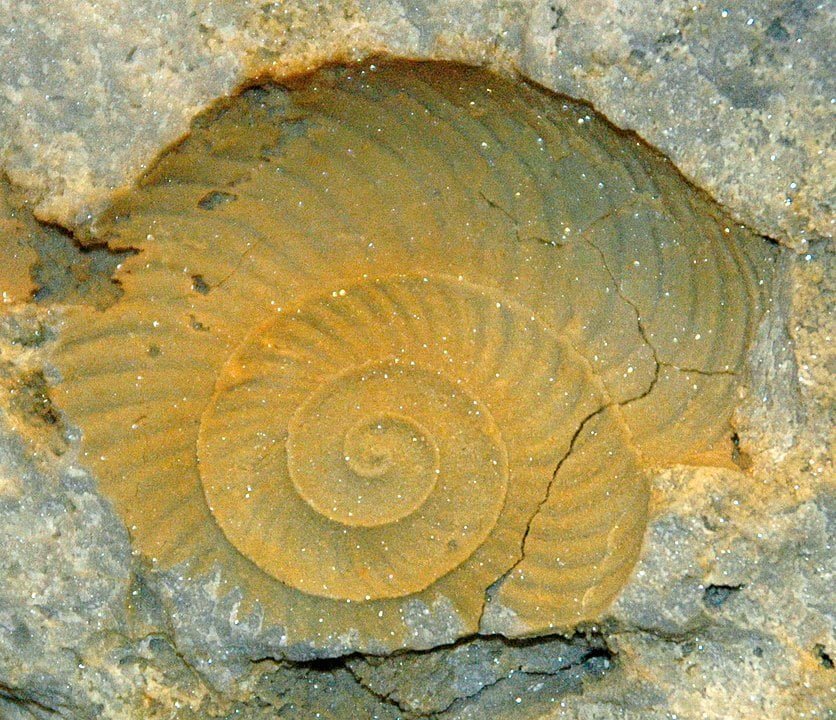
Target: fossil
<point x="398" y="347"/>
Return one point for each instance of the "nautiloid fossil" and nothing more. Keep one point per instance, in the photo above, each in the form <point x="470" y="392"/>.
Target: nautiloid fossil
<point x="400" y="343"/>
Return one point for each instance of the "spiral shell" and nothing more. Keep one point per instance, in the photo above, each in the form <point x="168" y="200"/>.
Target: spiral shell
<point x="399" y="343"/>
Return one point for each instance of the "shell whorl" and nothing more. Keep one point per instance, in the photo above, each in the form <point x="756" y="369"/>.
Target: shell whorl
<point x="406" y="338"/>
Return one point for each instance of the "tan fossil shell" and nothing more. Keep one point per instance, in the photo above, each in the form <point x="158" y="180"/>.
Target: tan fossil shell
<point x="399" y="342"/>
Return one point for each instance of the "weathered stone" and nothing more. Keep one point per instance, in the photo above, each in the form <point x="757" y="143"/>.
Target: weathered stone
<point x="64" y="566"/>
<point x="448" y="679"/>
<point x="729" y="613"/>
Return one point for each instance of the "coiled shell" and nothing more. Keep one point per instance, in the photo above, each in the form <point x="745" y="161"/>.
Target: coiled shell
<point x="399" y="343"/>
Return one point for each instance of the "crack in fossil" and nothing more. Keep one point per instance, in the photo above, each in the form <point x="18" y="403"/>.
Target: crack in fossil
<point x="521" y="556"/>
<point x="547" y="495"/>
<point x="698" y="371"/>
<point x="513" y="219"/>
<point x="658" y="365"/>
<point x="617" y="285"/>
<point x="242" y="259"/>
<point x="641" y="328"/>
<point x="497" y="206"/>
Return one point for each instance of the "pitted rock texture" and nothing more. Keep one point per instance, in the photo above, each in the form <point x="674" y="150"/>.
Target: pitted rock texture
<point x="444" y="682"/>
<point x="396" y="348"/>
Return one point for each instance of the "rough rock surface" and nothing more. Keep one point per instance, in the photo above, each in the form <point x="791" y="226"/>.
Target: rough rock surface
<point x="737" y="94"/>
<point x="730" y="611"/>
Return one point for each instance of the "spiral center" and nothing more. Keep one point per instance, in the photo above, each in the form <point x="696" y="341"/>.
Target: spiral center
<point x="376" y="447"/>
<point x="357" y="453"/>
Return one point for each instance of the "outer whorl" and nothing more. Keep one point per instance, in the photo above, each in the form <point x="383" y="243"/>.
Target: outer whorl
<point x="404" y="336"/>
